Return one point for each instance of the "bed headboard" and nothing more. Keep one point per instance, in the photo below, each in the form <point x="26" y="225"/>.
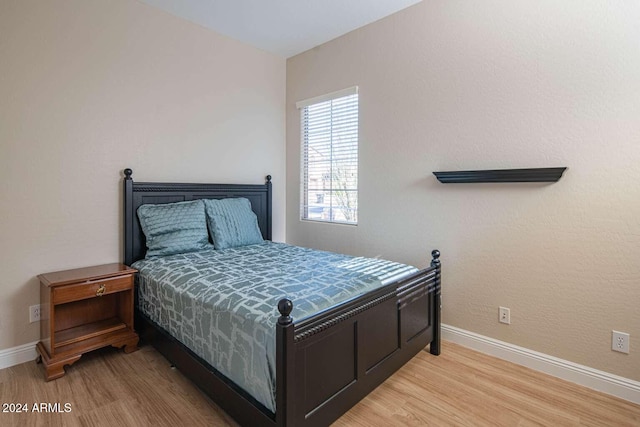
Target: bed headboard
<point x="140" y="193"/>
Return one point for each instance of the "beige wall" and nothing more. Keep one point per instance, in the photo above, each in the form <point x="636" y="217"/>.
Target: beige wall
<point x="456" y="85"/>
<point x="89" y="87"/>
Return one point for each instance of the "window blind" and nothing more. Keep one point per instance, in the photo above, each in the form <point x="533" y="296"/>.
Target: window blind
<point x="329" y="135"/>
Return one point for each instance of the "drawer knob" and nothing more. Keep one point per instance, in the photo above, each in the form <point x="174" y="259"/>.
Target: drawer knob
<point x="101" y="290"/>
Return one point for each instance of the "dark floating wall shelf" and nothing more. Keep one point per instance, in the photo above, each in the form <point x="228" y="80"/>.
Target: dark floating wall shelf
<point x="501" y="175"/>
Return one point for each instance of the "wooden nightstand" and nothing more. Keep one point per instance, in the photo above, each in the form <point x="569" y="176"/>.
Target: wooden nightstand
<point x="83" y="310"/>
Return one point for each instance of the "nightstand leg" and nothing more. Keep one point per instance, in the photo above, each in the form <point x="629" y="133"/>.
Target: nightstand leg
<point x="130" y="345"/>
<point x="54" y="368"/>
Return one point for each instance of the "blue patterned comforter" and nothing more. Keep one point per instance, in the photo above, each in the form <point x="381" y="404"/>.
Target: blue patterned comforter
<point x="221" y="304"/>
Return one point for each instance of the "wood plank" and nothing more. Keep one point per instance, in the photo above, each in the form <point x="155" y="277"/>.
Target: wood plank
<point x="79" y="275"/>
<point x="80" y="347"/>
<point x="88" y="330"/>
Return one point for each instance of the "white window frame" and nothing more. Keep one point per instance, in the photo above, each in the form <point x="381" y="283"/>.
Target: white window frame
<point x="331" y="124"/>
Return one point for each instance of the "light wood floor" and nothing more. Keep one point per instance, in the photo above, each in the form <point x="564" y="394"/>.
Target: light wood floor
<point x="460" y="388"/>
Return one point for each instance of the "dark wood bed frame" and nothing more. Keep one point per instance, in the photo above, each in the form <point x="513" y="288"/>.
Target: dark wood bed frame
<point x="325" y="363"/>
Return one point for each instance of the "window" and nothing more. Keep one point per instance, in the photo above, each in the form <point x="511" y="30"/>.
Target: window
<point x="329" y="134"/>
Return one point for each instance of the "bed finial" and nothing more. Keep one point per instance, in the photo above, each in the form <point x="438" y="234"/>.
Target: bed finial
<point x="436" y="255"/>
<point x="127" y="173"/>
<point x="285" y="306"/>
<point x="268" y="179"/>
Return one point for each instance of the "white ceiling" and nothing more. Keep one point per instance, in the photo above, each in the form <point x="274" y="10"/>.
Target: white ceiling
<point x="283" y="27"/>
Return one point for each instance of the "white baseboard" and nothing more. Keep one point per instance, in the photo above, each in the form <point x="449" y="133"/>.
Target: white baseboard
<point x="605" y="382"/>
<point x="17" y="355"/>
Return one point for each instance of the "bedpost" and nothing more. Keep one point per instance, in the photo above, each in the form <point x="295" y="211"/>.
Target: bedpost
<point x="285" y="393"/>
<point x="269" y="207"/>
<point x="128" y="216"/>
<point x="434" y="348"/>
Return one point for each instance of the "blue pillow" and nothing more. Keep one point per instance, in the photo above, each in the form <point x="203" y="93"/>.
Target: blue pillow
<point x="174" y="228"/>
<point x="232" y="223"/>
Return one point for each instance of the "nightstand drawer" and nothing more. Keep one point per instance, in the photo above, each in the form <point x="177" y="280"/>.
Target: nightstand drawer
<point x="91" y="289"/>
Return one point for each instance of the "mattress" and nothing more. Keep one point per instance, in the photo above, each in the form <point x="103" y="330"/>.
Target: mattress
<point x="221" y="304"/>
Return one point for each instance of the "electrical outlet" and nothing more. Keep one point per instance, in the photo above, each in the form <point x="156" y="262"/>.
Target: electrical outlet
<point x="34" y="313"/>
<point x="620" y="341"/>
<point x="504" y="315"/>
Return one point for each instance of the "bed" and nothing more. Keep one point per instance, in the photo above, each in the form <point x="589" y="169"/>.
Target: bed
<point x="324" y="361"/>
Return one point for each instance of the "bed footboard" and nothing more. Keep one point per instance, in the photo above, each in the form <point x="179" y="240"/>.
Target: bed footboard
<point x="328" y="362"/>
